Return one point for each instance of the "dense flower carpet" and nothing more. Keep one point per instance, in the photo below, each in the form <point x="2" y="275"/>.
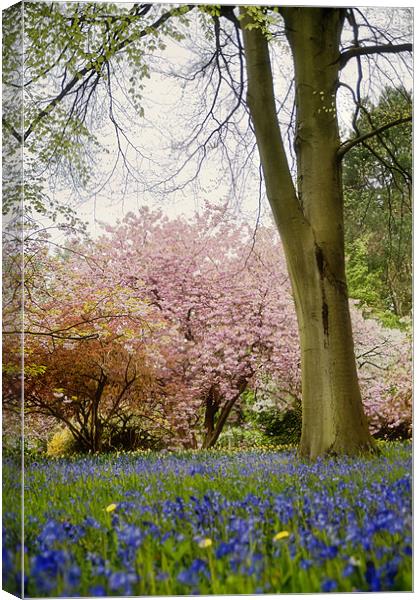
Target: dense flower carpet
<point x="210" y="523"/>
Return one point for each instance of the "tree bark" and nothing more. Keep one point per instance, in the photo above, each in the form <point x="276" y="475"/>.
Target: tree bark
<point x="96" y="424"/>
<point x="213" y="427"/>
<point x="310" y="223"/>
<point x="211" y="408"/>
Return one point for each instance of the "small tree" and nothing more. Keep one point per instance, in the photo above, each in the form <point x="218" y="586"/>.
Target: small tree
<point x="229" y="303"/>
<point x="88" y="359"/>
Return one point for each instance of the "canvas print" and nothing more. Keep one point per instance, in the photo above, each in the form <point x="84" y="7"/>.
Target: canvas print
<point x="207" y="298"/>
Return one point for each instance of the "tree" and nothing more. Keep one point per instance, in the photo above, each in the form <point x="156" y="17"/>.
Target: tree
<point x="309" y="215"/>
<point x="377" y="182"/>
<point x="384" y="362"/>
<point x="59" y="62"/>
<point x="230" y="305"/>
<point x="310" y="220"/>
<point x="89" y="362"/>
<point x="163" y="322"/>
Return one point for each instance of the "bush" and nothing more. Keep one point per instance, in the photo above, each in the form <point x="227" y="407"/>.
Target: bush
<point x="116" y="436"/>
<point x="243" y="437"/>
<point x="281" y="427"/>
<point x="130" y="437"/>
<point x="276" y="414"/>
<point x="62" y="444"/>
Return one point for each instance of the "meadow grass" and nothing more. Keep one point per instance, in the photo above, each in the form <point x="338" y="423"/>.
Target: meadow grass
<point x="211" y="523"/>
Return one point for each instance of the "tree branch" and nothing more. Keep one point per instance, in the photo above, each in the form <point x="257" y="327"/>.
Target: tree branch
<point x="54" y="335"/>
<point x="12" y="130"/>
<point x="349" y="144"/>
<point x="378" y="49"/>
<point x="93" y="66"/>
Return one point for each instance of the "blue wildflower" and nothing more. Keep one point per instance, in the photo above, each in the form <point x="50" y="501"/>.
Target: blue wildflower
<point x="329" y="585"/>
<point x="91" y="522"/>
<point x="348" y="570"/>
<point x="46" y="568"/>
<point x="199" y="566"/>
<point x="97" y="590"/>
<point x="305" y="563"/>
<point x="389" y="572"/>
<point x="51" y="532"/>
<point x="224" y="548"/>
<point x="131" y="536"/>
<point x="329" y="552"/>
<point x="191" y="576"/>
<point x="73" y="575"/>
<point x="121" y="581"/>
<point x="7" y="563"/>
<point x="372" y="577"/>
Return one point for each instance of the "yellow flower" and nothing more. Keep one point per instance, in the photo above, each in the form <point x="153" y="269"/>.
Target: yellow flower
<point x="111" y="507"/>
<point x="281" y="535"/>
<point x="205" y="543"/>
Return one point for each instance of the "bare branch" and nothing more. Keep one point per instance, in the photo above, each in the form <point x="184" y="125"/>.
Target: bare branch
<point x="346" y="146"/>
<point x="357" y="51"/>
<point x="52" y="334"/>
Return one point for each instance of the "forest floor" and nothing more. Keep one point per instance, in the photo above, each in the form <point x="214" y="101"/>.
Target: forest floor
<point x="210" y="522"/>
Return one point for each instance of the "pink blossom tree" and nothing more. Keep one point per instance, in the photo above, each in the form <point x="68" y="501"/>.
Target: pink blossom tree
<point x="384" y="361"/>
<point x="226" y="293"/>
<point x="228" y="297"/>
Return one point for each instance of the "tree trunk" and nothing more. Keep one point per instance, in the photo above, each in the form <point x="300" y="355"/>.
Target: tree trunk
<point x="214" y="428"/>
<point x="211" y="407"/>
<point x="96" y="422"/>
<point x="310" y="223"/>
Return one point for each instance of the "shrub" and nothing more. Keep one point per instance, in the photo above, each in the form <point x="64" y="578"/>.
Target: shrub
<point x="244" y="437"/>
<point x="61" y="444"/>
<point x="282" y="427"/>
<point x="117" y="436"/>
<point x="275" y="413"/>
<point x="130" y="435"/>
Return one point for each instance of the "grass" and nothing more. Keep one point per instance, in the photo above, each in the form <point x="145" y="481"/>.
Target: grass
<point x="211" y="523"/>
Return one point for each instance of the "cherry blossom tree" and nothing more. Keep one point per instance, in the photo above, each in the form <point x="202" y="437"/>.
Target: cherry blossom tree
<point x="230" y="303"/>
<point x="227" y="293"/>
<point x="384" y="361"/>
